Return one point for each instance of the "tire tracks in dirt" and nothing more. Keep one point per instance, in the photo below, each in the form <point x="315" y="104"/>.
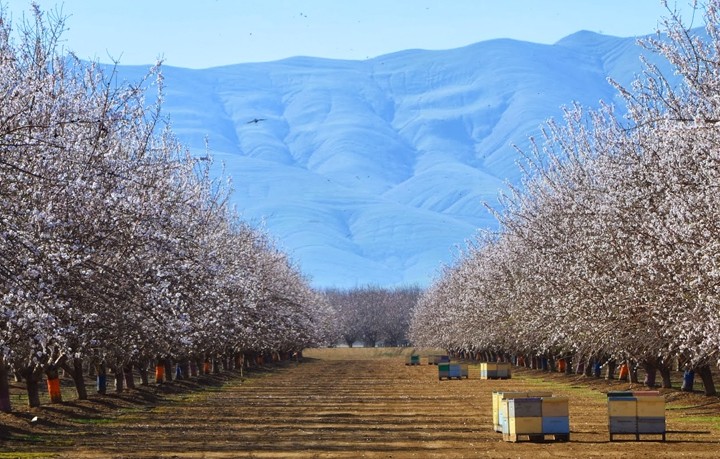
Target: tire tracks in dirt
<point x="378" y="407"/>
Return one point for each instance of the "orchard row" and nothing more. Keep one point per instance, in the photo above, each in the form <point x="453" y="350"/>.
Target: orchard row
<point x="117" y="249"/>
<point x="610" y="250"/>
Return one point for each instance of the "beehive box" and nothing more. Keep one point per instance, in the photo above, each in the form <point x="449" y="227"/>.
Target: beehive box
<point x="488" y="370"/>
<point x="443" y="370"/>
<point x="523" y="418"/>
<point x="497" y="398"/>
<point x="556" y="425"/>
<point x="436" y="359"/>
<point x="495" y="370"/>
<point x="622" y="407"/>
<point x="525" y="407"/>
<point x="555" y="407"/>
<point x="464" y="371"/>
<point x="643" y="412"/>
<point x="452" y="370"/>
<point x="413" y="360"/>
<point x="650" y="406"/>
<point x="504" y="370"/>
<point x="500" y="414"/>
<point x="524" y="426"/>
<point x="622" y="425"/>
<point x="556" y="416"/>
<point x="651" y="414"/>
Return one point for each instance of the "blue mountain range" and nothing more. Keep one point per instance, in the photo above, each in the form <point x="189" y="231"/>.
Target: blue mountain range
<point x="376" y="172"/>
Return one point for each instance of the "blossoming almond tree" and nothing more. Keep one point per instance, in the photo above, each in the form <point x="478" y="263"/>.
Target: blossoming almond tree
<point x="116" y="246"/>
<point x="609" y="249"/>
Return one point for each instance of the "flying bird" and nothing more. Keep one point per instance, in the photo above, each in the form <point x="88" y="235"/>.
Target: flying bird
<point x="255" y="120"/>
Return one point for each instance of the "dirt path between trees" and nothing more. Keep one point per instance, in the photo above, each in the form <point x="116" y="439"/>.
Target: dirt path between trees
<point x="352" y="403"/>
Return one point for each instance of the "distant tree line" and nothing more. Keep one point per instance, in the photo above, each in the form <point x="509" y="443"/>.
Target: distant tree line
<point x="609" y="252"/>
<point x="117" y="250"/>
<point x="373" y="314"/>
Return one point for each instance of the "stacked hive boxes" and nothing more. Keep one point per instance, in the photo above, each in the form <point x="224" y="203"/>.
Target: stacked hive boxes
<point x="524" y="417"/>
<point x="636" y="413"/>
<point x="452" y="370"/>
<point x="556" y="417"/>
<point x="522" y="414"/>
<point x="495" y="370"/>
<point x="500" y="413"/>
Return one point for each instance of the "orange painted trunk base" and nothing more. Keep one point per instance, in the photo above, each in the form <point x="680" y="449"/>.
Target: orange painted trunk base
<point x="54" y="390"/>
<point x="624" y="372"/>
<point x="561" y="366"/>
<point x="159" y="373"/>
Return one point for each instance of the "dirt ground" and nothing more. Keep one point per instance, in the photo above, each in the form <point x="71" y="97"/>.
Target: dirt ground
<point x="343" y="403"/>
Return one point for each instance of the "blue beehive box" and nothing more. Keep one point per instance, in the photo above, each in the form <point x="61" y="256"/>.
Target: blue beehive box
<point x="556" y="425"/>
<point x="454" y="371"/>
<point x="651" y="425"/>
<point x="623" y="424"/>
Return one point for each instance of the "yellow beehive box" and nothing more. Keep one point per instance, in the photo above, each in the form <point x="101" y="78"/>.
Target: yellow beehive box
<point x="622" y="407"/>
<point x="651" y="406"/>
<point x="521" y="426"/>
<point x="555" y="407"/>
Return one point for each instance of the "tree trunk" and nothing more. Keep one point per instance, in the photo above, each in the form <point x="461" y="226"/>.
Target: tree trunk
<point x="32" y="385"/>
<point x="5" y="405"/>
<point x="101" y="385"/>
<point x="76" y="373"/>
<point x="610" y="374"/>
<point x="168" y="369"/>
<point x="143" y="372"/>
<point x="707" y="380"/>
<point x="633" y="374"/>
<point x="119" y="377"/>
<point x="665" y="376"/>
<point x="129" y="377"/>
<point x="568" y="365"/>
<point x="650" y="374"/>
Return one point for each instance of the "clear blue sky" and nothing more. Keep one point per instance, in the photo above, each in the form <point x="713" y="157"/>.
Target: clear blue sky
<point x="208" y="33"/>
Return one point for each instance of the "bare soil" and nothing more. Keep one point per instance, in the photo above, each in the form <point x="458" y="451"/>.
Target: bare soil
<point x="343" y="403"/>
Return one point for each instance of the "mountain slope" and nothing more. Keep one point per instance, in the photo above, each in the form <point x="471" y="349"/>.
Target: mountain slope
<point x="376" y="171"/>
